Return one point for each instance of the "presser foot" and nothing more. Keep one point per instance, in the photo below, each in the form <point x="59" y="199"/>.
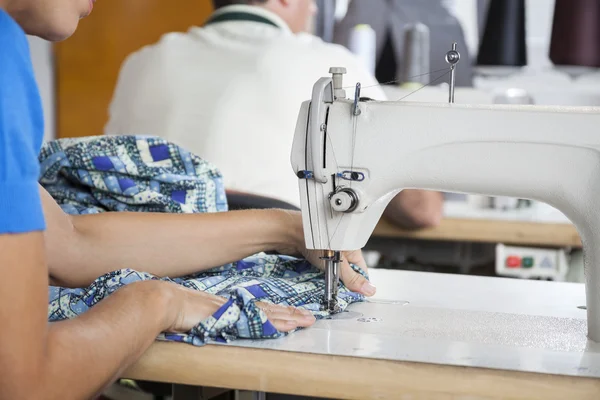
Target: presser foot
<point x="331" y="306"/>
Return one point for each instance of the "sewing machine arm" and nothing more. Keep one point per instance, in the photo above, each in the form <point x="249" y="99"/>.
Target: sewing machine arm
<point x="351" y="163"/>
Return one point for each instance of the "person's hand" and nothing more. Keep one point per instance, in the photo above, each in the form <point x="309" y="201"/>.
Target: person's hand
<point x="351" y="279"/>
<point x="192" y="306"/>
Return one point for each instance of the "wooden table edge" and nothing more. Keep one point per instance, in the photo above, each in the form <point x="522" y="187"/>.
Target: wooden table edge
<point x="349" y="378"/>
<point x="489" y="230"/>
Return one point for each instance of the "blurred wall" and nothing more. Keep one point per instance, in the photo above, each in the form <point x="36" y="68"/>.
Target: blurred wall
<point x="539" y="28"/>
<point x="88" y="63"/>
<point x="43" y="67"/>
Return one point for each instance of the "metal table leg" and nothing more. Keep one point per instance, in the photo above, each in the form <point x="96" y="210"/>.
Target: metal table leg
<point x="186" y="392"/>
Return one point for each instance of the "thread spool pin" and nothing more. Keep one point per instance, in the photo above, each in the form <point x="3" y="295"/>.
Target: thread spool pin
<point x="452" y="58"/>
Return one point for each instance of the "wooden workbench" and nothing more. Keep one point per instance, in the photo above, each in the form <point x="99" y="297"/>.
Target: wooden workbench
<point x="347" y="377"/>
<point x="455" y="337"/>
<point x="527" y="233"/>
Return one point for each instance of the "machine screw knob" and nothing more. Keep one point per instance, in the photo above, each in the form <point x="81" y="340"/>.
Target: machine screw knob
<point x="344" y="200"/>
<point x="452" y="57"/>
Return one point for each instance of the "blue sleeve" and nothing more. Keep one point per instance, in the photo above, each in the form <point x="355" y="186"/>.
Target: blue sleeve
<point x="21" y="133"/>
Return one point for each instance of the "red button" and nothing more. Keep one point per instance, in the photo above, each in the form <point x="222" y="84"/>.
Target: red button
<point x="513" y="262"/>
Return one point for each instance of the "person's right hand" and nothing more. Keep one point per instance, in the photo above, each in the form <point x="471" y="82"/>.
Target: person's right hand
<point x="349" y="277"/>
<point x="191" y="306"/>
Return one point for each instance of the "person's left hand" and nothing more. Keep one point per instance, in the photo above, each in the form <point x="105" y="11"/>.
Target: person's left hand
<point x="350" y="278"/>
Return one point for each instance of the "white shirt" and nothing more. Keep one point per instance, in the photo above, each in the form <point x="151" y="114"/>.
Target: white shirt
<point x="230" y="92"/>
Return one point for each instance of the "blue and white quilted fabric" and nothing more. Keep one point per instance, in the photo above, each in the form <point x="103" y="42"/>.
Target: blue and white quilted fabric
<point x="135" y="173"/>
<point x="129" y="173"/>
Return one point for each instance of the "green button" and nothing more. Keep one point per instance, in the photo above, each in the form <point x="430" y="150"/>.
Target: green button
<point x="527" y="262"/>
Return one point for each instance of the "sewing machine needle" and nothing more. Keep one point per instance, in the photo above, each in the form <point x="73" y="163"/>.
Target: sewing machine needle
<point x="332" y="260"/>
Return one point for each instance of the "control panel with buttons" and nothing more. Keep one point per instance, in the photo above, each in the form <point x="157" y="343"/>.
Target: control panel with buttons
<point x="530" y="262"/>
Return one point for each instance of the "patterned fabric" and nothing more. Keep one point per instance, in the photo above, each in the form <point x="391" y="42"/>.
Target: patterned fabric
<point x="129" y="173"/>
<point x="268" y="278"/>
<point x="92" y="175"/>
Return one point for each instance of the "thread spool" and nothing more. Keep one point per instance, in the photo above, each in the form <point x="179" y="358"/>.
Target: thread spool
<point x="513" y="96"/>
<point x="575" y="39"/>
<point x="415" y="65"/>
<point x="503" y="42"/>
<point x="362" y="42"/>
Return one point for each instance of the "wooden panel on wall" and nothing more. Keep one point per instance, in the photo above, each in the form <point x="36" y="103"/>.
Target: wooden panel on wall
<point x="88" y="63"/>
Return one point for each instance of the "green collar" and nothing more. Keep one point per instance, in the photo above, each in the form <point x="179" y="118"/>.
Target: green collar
<point x="240" y="16"/>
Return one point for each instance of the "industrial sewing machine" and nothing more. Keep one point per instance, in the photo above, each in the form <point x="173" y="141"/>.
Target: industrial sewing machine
<point x="352" y="156"/>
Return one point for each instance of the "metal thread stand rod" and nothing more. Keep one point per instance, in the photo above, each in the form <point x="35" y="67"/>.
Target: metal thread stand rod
<point x="452" y="58"/>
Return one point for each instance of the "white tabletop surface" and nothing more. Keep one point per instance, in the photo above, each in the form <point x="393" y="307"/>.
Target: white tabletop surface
<point x="500" y="323"/>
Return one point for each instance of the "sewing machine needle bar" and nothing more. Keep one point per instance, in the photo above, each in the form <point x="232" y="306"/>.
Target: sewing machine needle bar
<point x="336" y="276"/>
<point x="331" y="259"/>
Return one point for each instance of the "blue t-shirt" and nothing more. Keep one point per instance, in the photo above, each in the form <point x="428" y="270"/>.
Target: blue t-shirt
<point x="21" y="133"/>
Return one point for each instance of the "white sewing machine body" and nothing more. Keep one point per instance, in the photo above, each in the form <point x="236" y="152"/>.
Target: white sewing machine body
<point x="549" y="154"/>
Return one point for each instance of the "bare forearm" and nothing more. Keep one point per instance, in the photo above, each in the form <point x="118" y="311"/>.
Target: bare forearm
<point x="71" y="359"/>
<point x="87" y="353"/>
<point x="174" y="244"/>
<point x="416" y="209"/>
<point x="77" y="358"/>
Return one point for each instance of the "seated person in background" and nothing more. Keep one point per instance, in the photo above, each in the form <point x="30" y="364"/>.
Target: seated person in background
<point x="39" y="244"/>
<point x="230" y="91"/>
